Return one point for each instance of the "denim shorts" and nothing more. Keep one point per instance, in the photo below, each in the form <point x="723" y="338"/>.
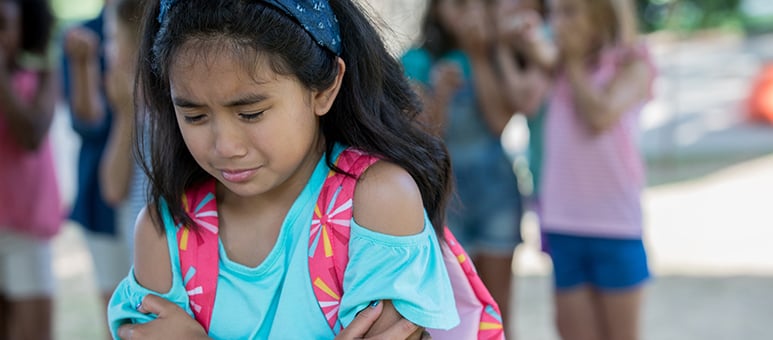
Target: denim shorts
<point x="605" y="263"/>
<point x="487" y="216"/>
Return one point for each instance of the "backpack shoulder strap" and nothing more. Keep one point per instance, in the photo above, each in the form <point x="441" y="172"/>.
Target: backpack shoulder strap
<point x="329" y="237"/>
<point x="198" y="249"/>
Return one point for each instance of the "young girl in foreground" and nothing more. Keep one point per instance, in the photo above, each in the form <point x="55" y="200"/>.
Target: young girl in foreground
<point x="593" y="173"/>
<point x="261" y="97"/>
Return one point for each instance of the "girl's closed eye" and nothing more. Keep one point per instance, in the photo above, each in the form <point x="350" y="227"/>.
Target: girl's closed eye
<point x="194" y="118"/>
<point x="251" y="116"/>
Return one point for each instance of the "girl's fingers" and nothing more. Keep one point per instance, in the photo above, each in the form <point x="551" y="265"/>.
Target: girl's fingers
<point x="361" y="323"/>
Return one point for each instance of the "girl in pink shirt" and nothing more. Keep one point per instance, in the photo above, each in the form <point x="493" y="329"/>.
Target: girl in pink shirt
<point x="593" y="173"/>
<point x="30" y="210"/>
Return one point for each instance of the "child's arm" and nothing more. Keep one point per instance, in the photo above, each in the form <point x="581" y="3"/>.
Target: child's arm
<point x="446" y="79"/>
<point x="29" y="122"/>
<point x="174" y="323"/>
<point x="496" y="112"/>
<point x="82" y="48"/>
<point x="477" y="39"/>
<point x="601" y="108"/>
<point x="115" y="168"/>
<point x="152" y="274"/>
<point x="388" y="201"/>
<point x="152" y="264"/>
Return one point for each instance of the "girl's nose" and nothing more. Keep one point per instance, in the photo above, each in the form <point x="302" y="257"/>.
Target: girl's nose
<point x="229" y="139"/>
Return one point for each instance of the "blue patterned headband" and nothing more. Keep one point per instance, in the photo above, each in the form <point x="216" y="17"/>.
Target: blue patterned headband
<point x="315" y="16"/>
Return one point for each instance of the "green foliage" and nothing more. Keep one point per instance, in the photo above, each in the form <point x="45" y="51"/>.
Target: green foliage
<point x="688" y="15"/>
<point x="76" y="10"/>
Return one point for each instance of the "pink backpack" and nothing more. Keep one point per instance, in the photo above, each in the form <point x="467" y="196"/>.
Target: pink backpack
<point x="329" y="249"/>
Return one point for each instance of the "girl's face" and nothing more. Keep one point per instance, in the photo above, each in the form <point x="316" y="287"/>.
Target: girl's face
<point x="571" y="22"/>
<point x="10" y="28"/>
<point x="251" y="129"/>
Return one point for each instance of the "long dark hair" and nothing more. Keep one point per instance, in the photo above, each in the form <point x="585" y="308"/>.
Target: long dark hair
<point x="375" y="109"/>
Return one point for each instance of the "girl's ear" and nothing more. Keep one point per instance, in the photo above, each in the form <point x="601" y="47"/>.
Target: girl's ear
<point x="324" y="99"/>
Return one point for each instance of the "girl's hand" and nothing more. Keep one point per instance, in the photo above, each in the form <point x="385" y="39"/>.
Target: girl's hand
<point x="518" y="28"/>
<point x="172" y="322"/>
<point x="402" y="329"/>
<point x="81" y="44"/>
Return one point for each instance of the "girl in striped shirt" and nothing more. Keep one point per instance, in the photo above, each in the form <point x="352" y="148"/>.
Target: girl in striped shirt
<point x="593" y="173"/>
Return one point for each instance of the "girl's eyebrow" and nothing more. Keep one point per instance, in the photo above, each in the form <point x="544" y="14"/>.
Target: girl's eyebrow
<point x="248" y="99"/>
<point x="182" y="102"/>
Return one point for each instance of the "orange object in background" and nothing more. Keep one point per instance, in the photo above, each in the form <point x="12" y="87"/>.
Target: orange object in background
<point x="760" y="103"/>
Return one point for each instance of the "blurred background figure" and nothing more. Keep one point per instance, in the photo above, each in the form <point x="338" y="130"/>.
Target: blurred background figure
<point x="30" y="208"/>
<point x="92" y="118"/>
<point x="456" y="73"/>
<point x="123" y="182"/>
<point x="593" y="171"/>
<point x="527" y="58"/>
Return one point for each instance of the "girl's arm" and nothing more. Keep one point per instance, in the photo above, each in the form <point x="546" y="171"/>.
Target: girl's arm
<point x="389" y="202"/>
<point x="116" y="166"/>
<point x="496" y="112"/>
<point x="477" y="38"/>
<point x="152" y="264"/>
<point x="174" y="323"/>
<point x="82" y="48"/>
<point x="601" y="108"/>
<point x="29" y="122"/>
<point x="446" y="79"/>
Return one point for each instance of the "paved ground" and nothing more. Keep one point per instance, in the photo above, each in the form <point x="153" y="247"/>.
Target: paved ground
<point x="708" y="220"/>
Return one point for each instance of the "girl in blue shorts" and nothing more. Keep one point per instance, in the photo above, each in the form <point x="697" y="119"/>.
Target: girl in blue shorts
<point x="593" y="173"/>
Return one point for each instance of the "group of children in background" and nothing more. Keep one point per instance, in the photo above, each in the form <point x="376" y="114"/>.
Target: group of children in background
<point x="99" y="67"/>
<point x="95" y="83"/>
<point x="265" y="121"/>
<point x="580" y="74"/>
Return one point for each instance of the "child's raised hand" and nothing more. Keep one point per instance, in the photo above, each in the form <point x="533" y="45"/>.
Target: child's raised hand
<point x="518" y="27"/>
<point x="172" y="322"/>
<point x="81" y="44"/>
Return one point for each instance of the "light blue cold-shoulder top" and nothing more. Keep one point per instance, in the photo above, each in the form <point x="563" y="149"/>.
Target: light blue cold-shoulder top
<point x="275" y="300"/>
